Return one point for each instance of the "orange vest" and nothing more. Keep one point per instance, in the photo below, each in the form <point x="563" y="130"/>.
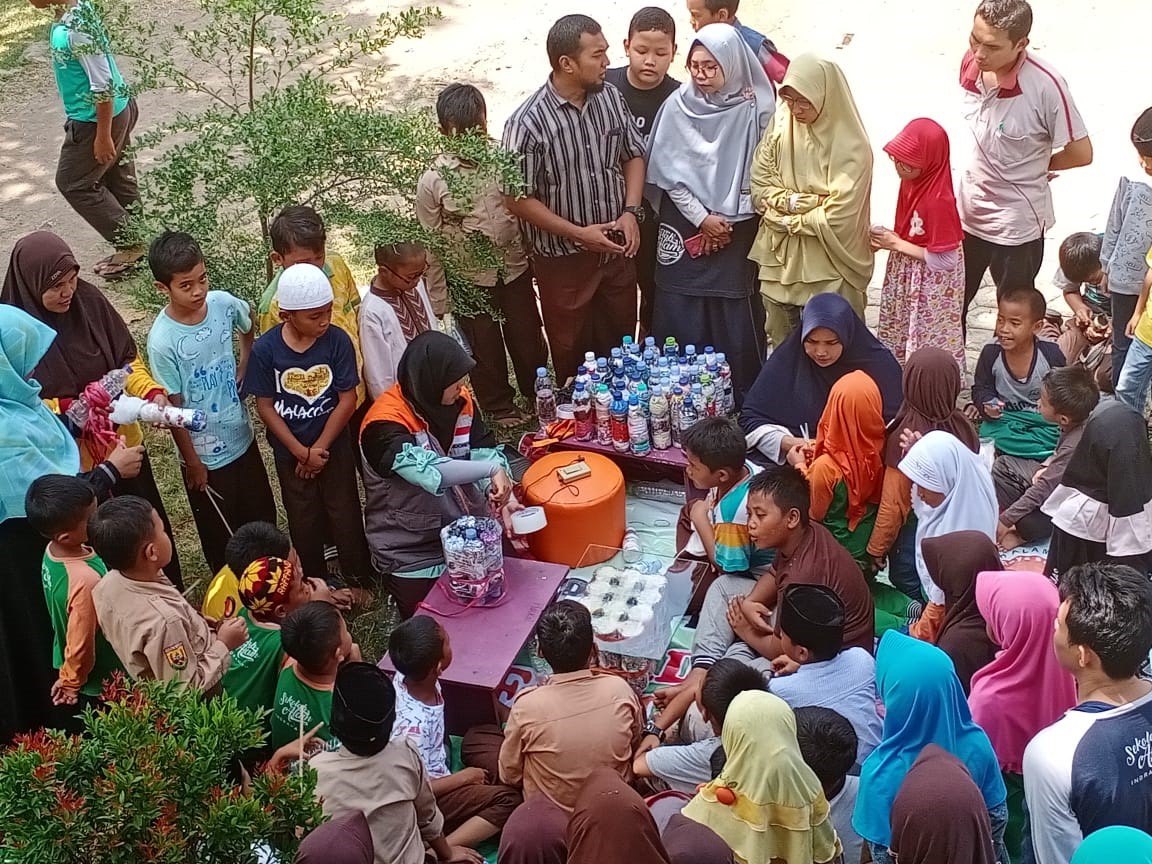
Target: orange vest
<point x="392" y="407"/>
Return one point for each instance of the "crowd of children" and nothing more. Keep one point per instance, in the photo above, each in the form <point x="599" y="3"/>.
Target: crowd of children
<point x="867" y="681"/>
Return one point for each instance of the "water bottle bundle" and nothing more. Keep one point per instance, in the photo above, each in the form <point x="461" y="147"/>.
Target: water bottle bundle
<point x="643" y="396"/>
<point x="103" y="405"/>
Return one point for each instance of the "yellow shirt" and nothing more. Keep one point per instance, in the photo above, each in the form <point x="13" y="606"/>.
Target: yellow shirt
<point x="345" y="309"/>
<point x="222" y="599"/>
<point x="1144" y="327"/>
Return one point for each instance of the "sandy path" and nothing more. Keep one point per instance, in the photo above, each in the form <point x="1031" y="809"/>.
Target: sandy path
<point x="902" y="61"/>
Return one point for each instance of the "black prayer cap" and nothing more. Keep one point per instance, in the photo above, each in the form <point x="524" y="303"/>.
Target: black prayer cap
<point x="363" y="707"/>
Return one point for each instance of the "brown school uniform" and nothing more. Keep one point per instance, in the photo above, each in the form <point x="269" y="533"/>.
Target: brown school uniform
<point x="157" y="634"/>
<point x="820" y="560"/>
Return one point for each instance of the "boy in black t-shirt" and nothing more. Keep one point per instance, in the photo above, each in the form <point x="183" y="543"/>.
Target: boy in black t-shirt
<point x="303" y="374"/>
<point x="645" y="84"/>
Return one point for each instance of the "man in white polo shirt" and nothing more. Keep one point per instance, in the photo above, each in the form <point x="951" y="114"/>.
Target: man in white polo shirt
<point x="1024" y="126"/>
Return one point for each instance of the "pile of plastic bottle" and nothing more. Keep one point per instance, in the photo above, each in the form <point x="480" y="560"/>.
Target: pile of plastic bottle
<point x="642" y="397"/>
<point x="474" y="557"/>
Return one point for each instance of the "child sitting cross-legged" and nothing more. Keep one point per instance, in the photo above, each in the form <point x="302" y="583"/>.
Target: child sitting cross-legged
<point x="816" y="669"/>
<point x="1067" y="396"/>
<point x="475" y="807"/>
<point x="155" y="632"/>
<point x="317" y="640"/>
<point x="715" y="528"/>
<point x="1006" y="386"/>
<point x="58" y="507"/>
<point x="683" y="767"/>
<point x="382" y="777"/>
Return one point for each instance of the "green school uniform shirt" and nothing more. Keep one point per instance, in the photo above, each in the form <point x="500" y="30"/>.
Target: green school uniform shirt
<point x="68" y="587"/>
<point x="296" y="700"/>
<point x="255" y="669"/>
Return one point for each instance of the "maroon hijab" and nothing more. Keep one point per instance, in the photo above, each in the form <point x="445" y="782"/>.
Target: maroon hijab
<point x="953" y="561"/>
<point x="932" y="383"/>
<point x="92" y="338"/>
<point x="939" y="815"/>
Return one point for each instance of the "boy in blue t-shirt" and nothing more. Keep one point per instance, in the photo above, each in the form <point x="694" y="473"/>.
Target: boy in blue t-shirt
<point x="92" y="174"/>
<point x="190" y="354"/>
<point x="303" y="374"/>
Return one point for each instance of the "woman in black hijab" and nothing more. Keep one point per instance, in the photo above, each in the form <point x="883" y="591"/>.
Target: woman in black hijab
<point x="428" y="459"/>
<point x="91" y="340"/>
<point x="1102" y="509"/>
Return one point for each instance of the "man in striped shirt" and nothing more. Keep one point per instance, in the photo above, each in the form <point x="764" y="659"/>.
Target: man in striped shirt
<point x="583" y="163"/>
<point x="1024" y="126"/>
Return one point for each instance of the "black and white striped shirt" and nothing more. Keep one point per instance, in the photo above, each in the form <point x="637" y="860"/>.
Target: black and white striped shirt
<point x="572" y="157"/>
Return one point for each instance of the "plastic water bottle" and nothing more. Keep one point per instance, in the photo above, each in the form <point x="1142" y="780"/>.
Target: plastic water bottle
<point x="603" y="409"/>
<point x="708" y="394"/>
<point x="602" y="368"/>
<point x="659" y="419"/>
<point x="619" y="413"/>
<point x="644" y="394"/>
<point x="709" y="355"/>
<point x="671" y="349"/>
<point x="649" y="342"/>
<point x="645" y="372"/>
<point x="582" y="407"/>
<point x="675" y="405"/>
<point x="112" y="383"/>
<point x="690" y="354"/>
<point x="631" y="547"/>
<point x="545" y="399"/>
<point x="724" y="377"/>
<point x="634" y="380"/>
<point x="689" y="413"/>
<point x="616" y="354"/>
<point x="590" y="357"/>
<point x="637" y="427"/>
<point x="627" y="346"/>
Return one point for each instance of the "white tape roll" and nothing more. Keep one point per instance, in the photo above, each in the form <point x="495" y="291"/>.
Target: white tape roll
<point x="529" y="520"/>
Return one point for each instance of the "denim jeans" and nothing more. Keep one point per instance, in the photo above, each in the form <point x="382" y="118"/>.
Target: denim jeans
<point x="998" y="815"/>
<point x="1136" y="375"/>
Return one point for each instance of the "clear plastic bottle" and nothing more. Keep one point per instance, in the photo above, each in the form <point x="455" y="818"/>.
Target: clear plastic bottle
<point x="708" y="394"/>
<point x="631" y="547"/>
<point x="615" y="354"/>
<point x="659" y="419"/>
<point x="709" y="355"/>
<point x="649" y="342"/>
<point x="689" y="354"/>
<point x="582" y="407"/>
<point x="634" y="380"/>
<point x="671" y="349"/>
<point x="689" y="414"/>
<point x="644" y="394"/>
<point x="603" y="409"/>
<point x="112" y="383"/>
<point x="675" y="404"/>
<point x="602" y="368"/>
<point x="627" y="346"/>
<point x="637" y="427"/>
<point x="619" y="412"/>
<point x="545" y="399"/>
<point x="724" y="376"/>
<point x="698" y="400"/>
<point x="645" y="371"/>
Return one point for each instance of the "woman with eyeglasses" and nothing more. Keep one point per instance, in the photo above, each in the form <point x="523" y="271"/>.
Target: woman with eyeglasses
<point x="699" y="162"/>
<point x="811" y="183"/>
<point x="395" y="310"/>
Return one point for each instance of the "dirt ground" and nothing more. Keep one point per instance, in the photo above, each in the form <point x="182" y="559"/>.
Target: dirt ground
<point x="901" y="59"/>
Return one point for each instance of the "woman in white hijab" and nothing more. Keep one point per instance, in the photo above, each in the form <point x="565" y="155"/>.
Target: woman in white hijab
<point x="699" y="164"/>
<point x="951" y="491"/>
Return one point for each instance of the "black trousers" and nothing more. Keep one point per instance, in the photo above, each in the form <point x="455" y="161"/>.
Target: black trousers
<point x="1009" y="265"/>
<point x="1123" y="307"/>
<point x="328" y="506"/>
<point x="646" y="270"/>
<point x="244" y="496"/>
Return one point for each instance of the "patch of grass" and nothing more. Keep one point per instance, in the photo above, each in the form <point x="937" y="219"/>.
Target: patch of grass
<point x="20" y="24"/>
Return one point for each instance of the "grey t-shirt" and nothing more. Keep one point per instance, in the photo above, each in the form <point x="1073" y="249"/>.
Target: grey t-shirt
<point x="683" y="766"/>
<point x="840" y="812"/>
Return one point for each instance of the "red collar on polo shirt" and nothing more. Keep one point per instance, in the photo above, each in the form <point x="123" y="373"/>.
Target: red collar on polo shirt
<point x="1009" y="82"/>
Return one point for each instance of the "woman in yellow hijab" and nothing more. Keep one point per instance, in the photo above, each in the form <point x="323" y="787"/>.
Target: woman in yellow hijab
<point x="767" y="804"/>
<point x="811" y="182"/>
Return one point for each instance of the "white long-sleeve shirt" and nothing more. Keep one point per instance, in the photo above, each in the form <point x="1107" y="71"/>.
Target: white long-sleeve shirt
<point x="382" y="339"/>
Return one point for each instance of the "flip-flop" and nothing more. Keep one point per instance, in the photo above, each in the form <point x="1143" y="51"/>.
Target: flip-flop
<point x="116" y="272"/>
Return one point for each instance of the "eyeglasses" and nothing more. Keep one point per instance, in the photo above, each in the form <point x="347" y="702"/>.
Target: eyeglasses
<point x="407" y="280"/>
<point x="797" y="103"/>
<point x="708" y="70"/>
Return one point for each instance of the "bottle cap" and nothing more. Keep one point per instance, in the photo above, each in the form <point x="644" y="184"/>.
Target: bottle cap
<point x="633" y="399"/>
<point x="541" y="372"/>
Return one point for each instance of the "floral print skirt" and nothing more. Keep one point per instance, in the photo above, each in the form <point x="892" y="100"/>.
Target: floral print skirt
<point x="921" y="308"/>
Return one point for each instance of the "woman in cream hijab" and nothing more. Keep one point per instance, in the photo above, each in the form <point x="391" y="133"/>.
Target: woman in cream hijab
<point x="811" y="181"/>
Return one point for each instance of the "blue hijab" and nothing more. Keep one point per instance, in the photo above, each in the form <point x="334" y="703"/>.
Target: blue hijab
<point x="33" y="441"/>
<point x="791" y="390"/>
<point x="924" y="705"/>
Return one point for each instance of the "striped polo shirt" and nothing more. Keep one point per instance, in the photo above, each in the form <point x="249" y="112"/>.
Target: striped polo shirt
<point x="572" y="158"/>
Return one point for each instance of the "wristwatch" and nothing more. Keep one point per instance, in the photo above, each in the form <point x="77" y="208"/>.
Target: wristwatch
<point x="651" y="728"/>
<point x="637" y="211"/>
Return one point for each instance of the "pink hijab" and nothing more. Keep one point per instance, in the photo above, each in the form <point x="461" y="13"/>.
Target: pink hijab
<point x="1024" y="689"/>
